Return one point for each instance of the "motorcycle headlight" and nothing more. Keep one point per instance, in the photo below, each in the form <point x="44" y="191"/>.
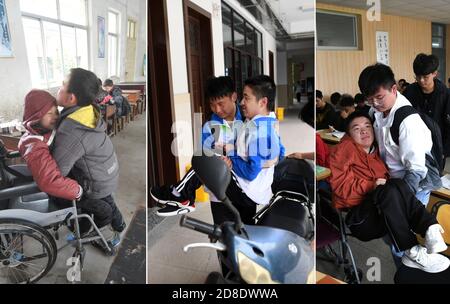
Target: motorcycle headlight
<point x="253" y="273"/>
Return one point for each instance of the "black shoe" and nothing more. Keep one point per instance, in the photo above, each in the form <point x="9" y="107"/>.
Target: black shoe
<point x="163" y="195"/>
<point x="111" y="251"/>
<point x="171" y="210"/>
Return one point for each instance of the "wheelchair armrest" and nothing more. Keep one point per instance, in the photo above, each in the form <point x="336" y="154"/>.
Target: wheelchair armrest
<point x="13" y="154"/>
<point x="20" y="190"/>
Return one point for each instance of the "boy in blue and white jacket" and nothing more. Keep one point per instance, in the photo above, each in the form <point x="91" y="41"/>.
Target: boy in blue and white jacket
<point x="257" y="150"/>
<point x="217" y="133"/>
<point x="253" y="148"/>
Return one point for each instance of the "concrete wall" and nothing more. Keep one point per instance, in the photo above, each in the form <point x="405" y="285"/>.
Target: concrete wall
<point x="136" y="10"/>
<point x="339" y="70"/>
<point x="15" y="76"/>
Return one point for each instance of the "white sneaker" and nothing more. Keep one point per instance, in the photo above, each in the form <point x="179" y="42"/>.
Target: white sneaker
<point x="433" y="239"/>
<point x="417" y="257"/>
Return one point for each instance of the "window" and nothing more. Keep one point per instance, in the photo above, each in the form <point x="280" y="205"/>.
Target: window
<point x="439" y="48"/>
<point x="242" y="47"/>
<point x="336" y="30"/>
<point x="131" y="33"/>
<point x="113" y="44"/>
<point x="56" y="39"/>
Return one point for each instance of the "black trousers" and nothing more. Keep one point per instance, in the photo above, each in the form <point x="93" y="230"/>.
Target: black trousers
<point x="246" y="207"/>
<point x="398" y="209"/>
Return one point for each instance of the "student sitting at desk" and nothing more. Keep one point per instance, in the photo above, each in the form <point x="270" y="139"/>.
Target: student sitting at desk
<point x="348" y="107"/>
<point x="360" y="182"/>
<point x="325" y="114"/>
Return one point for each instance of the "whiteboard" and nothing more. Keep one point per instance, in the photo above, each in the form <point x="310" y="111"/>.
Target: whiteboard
<point x="382" y="42"/>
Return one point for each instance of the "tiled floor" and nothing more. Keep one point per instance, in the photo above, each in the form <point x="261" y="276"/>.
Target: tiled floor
<point x="167" y="263"/>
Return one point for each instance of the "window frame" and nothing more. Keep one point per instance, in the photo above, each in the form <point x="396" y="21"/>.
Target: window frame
<point x="356" y="32"/>
<point x="59" y="23"/>
<point x="131" y="31"/>
<point x="117" y="36"/>
<point x="243" y="51"/>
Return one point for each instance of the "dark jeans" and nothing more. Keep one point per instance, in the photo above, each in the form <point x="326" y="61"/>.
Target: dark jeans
<point x="404" y="215"/>
<point x="104" y="211"/>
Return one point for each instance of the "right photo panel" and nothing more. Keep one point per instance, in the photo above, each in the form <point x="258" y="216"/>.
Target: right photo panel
<point x="383" y="125"/>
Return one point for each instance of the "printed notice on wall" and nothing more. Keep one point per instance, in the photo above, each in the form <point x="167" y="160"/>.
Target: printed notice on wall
<point x="383" y="47"/>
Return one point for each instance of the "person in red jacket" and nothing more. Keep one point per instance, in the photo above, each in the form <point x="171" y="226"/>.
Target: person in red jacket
<point x="356" y="165"/>
<point x="39" y="119"/>
<point x="356" y="171"/>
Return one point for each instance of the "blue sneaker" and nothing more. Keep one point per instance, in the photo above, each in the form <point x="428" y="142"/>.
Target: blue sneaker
<point x="116" y="239"/>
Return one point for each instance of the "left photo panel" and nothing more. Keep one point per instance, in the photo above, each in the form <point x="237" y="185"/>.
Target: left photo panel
<point x="73" y="141"/>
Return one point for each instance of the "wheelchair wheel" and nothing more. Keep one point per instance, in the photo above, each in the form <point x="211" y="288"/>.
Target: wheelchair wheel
<point x="27" y="252"/>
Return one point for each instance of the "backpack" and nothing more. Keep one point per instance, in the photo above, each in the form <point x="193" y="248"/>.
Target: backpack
<point x="126" y="107"/>
<point x="437" y="149"/>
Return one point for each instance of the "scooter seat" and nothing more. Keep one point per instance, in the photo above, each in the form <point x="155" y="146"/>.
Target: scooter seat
<point x="289" y="215"/>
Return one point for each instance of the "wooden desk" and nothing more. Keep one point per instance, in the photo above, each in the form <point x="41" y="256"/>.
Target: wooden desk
<point x="141" y="86"/>
<point x="322" y="278"/>
<point x="11" y="142"/>
<point x="441" y="193"/>
<point x="328" y="138"/>
<point x="133" y="96"/>
<point x="137" y="85"/>
<point x="322" y="173"/>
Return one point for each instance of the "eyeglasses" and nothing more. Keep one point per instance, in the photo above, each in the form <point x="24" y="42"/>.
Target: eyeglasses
<point x="376" y="100"/>
<point x="379" y="100"/>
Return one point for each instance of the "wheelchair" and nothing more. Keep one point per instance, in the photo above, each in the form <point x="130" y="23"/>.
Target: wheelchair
<point x="29" y="225"/>
<point x="331" y="228"/>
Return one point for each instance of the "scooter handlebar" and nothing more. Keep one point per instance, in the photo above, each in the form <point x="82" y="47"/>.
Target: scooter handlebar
<point x="191" y="223"/>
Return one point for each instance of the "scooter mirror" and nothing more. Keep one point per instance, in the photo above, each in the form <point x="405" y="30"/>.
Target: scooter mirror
<point x="213" y="173"/>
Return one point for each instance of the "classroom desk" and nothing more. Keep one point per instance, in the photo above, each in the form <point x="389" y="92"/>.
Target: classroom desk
<point x="330" y="139"/>
<point x="137" y="85"/>
<point x="322" y="278"/>
<point x="441" y="193"/>
<point x="322" y="173"/>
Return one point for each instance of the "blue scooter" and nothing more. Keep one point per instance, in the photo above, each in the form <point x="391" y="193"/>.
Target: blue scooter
<point x="254" y="254"/>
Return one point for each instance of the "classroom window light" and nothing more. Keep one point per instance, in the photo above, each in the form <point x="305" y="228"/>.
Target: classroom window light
<point x="337" y="30"/>
<point x="56" y="39"/>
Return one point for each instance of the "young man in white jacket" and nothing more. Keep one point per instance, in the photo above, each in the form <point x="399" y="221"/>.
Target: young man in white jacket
<point x="407" y="160"/>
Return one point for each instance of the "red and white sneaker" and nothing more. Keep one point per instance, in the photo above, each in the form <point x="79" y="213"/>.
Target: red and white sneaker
<point x="163" y="195"/>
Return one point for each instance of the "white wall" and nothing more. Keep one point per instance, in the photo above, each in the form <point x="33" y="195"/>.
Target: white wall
<point x="15" y="77"/>
<point x="135" y="9"/>
<point x="177" y="46"/>
<point x="282" y="68"/>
